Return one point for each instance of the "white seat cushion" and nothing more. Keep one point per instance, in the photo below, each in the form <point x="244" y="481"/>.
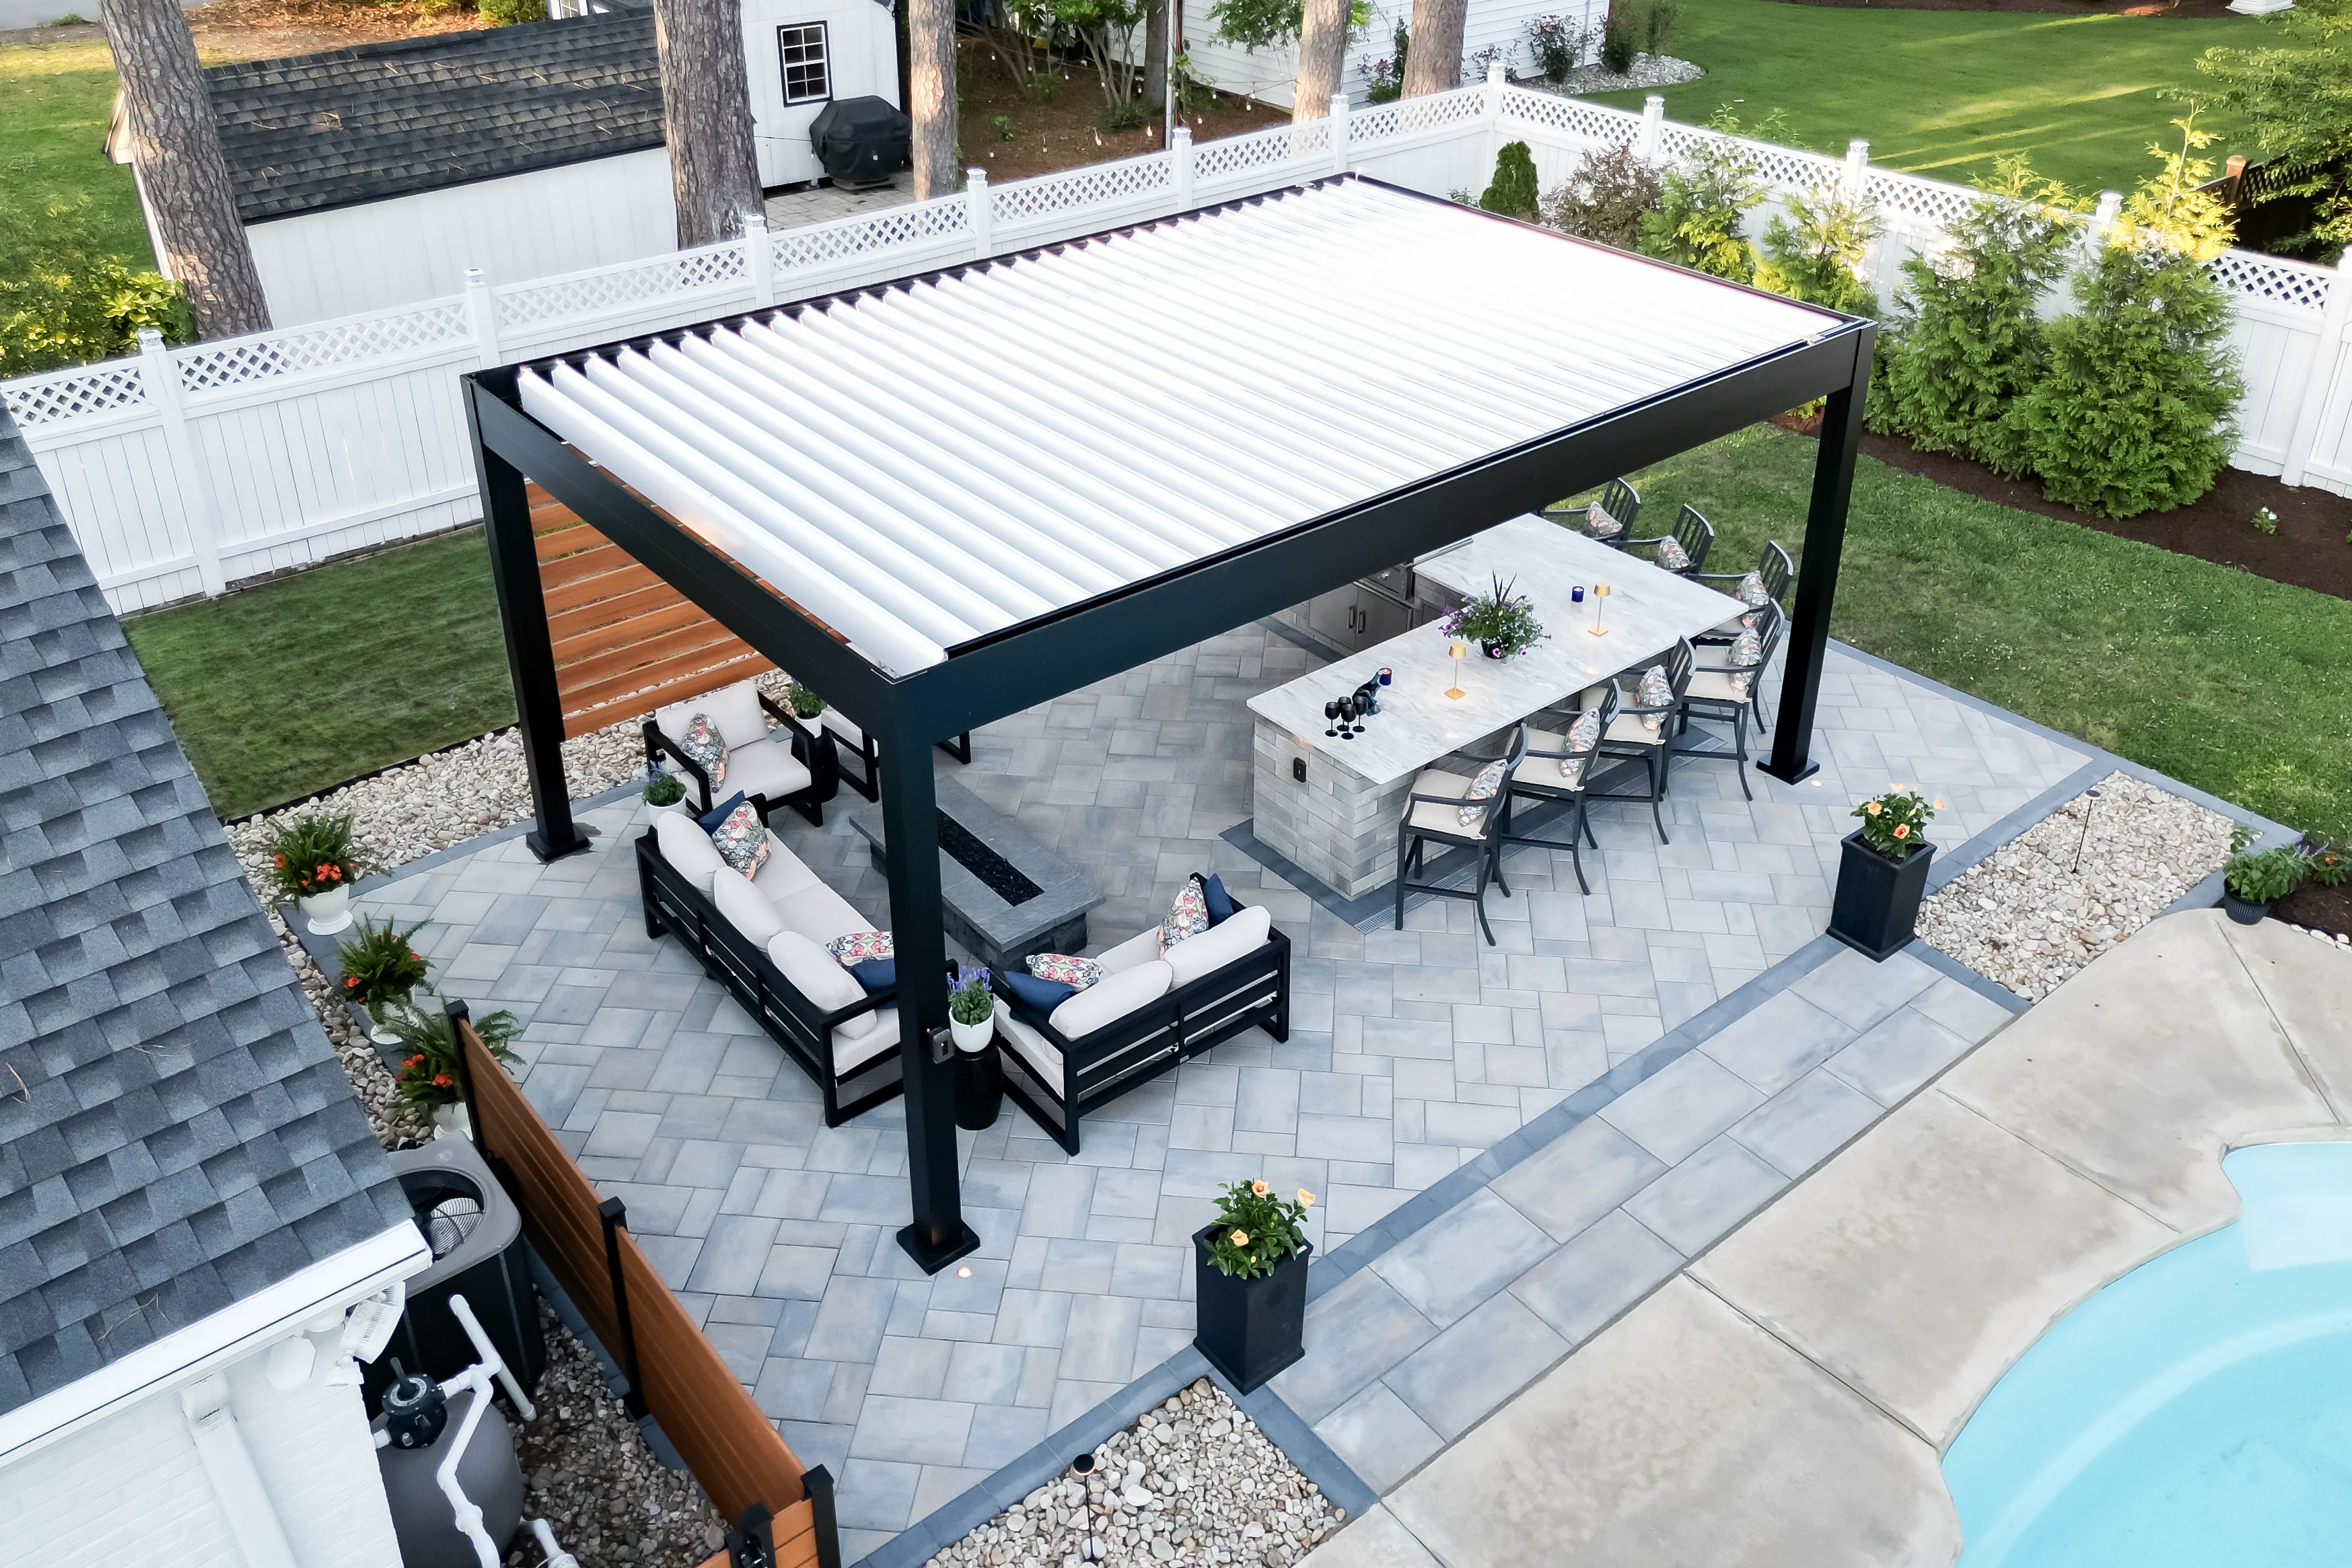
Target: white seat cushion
<point x="782" y="874"/>
<point x="1627" y="729"/>
<point x="814" y="975"/>
<point x="864" y="1038"/>
<point x="1708" y="686"/>
<point x="1140" y="948"/>
<point x="1114" y="997"/>
<point x="764" y="768"/>
<point x="820" y="915"/>
<point x="835" y="719"/>
<point x="1238" y="936"/>
<point x="734" y="710"/>
<point x="689" y="849"/>
<point x="1436" y="817"/>
<point x="1035" y="1051"/>
<point x="745" y="906"/>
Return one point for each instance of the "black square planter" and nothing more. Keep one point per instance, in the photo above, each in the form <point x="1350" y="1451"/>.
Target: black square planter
<point x="1877" y="901"/>
<point x="1249" y="1329"/>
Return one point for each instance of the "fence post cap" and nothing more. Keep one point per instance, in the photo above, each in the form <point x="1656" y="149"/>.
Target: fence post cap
<point x="755" y="220"/>
<point x="151" y="342"/>
<point x="475" y="277"/>
<point x="975" y="179"/>
<point x="1858" y="148"/>
<point x="1654" y="106"/>
<point x="457" y="1009"/>
<point x="614" y="1210"/>
<point x="1184" y="135"/>
<point x="1495" y="76"/>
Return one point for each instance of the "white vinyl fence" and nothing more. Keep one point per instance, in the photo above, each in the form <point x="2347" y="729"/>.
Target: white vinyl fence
<point x="185" y="470"/>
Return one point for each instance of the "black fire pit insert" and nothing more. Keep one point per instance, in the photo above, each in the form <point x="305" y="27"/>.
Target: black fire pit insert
<point x="1001" y="876"/>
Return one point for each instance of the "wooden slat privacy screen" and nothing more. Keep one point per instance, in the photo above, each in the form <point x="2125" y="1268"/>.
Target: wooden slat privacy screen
<point x="724" y="1440"/>
<point x="626" y="641"/>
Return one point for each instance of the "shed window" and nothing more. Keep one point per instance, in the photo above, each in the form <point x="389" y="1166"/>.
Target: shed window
<point x="807" y="71"/>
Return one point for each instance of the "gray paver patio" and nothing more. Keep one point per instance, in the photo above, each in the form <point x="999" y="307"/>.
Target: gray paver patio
<point x="1412" y="1052"/>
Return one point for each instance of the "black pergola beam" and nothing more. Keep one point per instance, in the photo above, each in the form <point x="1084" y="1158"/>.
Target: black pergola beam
<point x="1809" y="628"/>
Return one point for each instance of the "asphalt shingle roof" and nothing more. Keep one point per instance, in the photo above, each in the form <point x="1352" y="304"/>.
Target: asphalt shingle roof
<point x="175" y="1133"/>
<point x="320" y="131"/>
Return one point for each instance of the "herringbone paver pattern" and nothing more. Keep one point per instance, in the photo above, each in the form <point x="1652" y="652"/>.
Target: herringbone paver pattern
<point x="1412" y="1051"/>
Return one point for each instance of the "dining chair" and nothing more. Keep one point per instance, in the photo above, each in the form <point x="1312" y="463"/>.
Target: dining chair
<point x="1729" y="691"/>
<point x="1632" y="735"/>
<point x="1557" y="768"/>
<point x="1773" y="571"/>
<point x="1683" y="551"/>
<point x="1458" y="811"/>
<point x="1618" y="497"/>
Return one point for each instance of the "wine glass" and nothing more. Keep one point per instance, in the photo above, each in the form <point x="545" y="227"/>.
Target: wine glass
<point x="1347" y="713"/>
<point x="1331" y="714"/>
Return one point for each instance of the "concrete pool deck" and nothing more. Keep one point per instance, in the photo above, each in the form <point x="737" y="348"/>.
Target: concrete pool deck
<point x="1787" y="1397"/>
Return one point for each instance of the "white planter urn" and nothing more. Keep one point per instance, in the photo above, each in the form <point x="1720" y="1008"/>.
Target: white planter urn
<point x="973" y="1037"/>
<point x="328" y="912"/>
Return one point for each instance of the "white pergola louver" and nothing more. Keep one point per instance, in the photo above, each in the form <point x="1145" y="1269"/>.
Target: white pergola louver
<point x="925" y="464"/>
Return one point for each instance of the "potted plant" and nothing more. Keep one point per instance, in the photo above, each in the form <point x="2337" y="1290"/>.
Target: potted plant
<point x="1884" y="873"/>
<point x="381" y="968"/>
<point x="428" y="1077"/>
<point x="804" y="703"/>
<point x="979" y="1076"/>
<point x="1250" y="1270"/>
<point x="2254" y="879"/>
<point x="1502" y="624"/>
<point x="314" y="860"/>
<point x="666" y="792"/>
<point x="971" y="1011"/>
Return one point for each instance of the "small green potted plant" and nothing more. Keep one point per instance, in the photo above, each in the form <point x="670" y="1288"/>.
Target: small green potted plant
<point x="313" y="861"/>
<point x="666" y="792"/>
<point x="2254" y="879"/>
<point x="1882" y="873"/>
<point x="804" y="703"/>
<point x="428" y="1077"/>
<point x="979" y="1075"/>
<point x="382" y="968"/>
<point x="1503" y="623"/>
<point x="1250" y="1274"/>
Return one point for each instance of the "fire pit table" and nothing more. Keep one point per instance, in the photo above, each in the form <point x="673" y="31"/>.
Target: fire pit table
<point x="1006" y="895"/>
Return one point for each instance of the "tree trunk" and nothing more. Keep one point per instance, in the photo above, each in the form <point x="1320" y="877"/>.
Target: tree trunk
<point x="1322" y="56"/>
<point x="714" y="171"/>
<point x="176" y="144"/>
<point x="931" y="78"/>
<point x="1155" y="58"/>
<point x="1433" y="64"/>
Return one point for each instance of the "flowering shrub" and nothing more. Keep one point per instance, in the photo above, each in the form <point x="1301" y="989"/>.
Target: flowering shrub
<point x="1895" y="823"/>
<point x="1256" y="1230"/>
<point x="314" y="855"/>
<point x="1557" y="44"/>
<point x="380" y="964"/>
<point x="1500" y="617"/>
<point x="428" y="1064"/>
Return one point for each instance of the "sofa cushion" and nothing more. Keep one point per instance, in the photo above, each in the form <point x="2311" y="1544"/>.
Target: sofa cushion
<point x="1220" y="902"/>
<point x="876" y="973"/>
<point x="699" y="739"/>
<point x="1036" y="1052"/>
<point x="1186" y="918"/>
<point x="813" y="974"/>
<point x="864" y="1038"/>
<point x="718" y="814"/>
<point x="783" y="875"/>
<point x="858" y="946"/>
<point x="1044" y="996"/>
<point x="1113" y="997"/>
<point x="742" y="905"/>
<point x="1221" y="944"/>
<point x="820" y="915"/>
<point x="766" y="768"/>
<point x="1143" y="947"/>
<point x="1062" y="969"/>
<point x="741" y="839"/>
<point x="733" y="710"/>
<point x="688" y="850"/>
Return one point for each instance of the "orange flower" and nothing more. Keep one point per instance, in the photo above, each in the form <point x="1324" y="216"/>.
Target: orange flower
<point x="281" y="859"/>
<point x="1902" y="831"/>
<point x="1305" y="1199"/>
<point x="1241" y="1239"/>
<point x="440" y="1080"/>
<point x="1939" y="805"/>
<point x="414" y="1060"/>
<point x="1258" y="1187"/>
<point x="350" y="981"/>
<point x="416" y="958"/>
<point x="1871" y="806"/>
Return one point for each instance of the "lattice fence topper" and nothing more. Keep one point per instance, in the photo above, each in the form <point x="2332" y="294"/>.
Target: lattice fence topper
<point x="1909" y="197"/>
<point x="212" y="367"/>
<point x="105" y="388"/>
<point x="1573" y="117"/>
<point x="589" y="293"/>
<point x="826" y="243"/>
<point x="2274" y="278"/>
<point x="1260" y="149"/>
<point x="1122" y="181"/>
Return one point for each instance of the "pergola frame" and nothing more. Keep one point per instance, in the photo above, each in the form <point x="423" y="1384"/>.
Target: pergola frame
<point x="997" y="675"/>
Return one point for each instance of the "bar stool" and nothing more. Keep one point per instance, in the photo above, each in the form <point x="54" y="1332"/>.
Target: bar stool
<point x="1620" y="499"/>
<point x="1435" y="813"/>
<point x="1683" y="551"/>
<point x="1773" y="571"/>
<point x="1557" y="767"/>
<point x="1627" y="736"/>
<point x="1726" y="692"/>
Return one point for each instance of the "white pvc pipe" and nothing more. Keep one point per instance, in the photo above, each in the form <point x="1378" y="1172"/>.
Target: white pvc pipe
<point x="244" y="1504"/>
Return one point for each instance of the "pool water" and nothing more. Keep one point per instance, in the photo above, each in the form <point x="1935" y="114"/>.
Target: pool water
<point x="2198" y="1411"/>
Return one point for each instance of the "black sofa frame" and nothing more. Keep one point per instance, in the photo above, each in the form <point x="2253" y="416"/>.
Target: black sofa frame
<point x="1252" y="991"/>
<point x="672" y="906"/>
<point x="810" y="750"/>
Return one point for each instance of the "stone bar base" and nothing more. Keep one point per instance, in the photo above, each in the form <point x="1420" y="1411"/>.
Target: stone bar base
<point x="1337" y="828"/>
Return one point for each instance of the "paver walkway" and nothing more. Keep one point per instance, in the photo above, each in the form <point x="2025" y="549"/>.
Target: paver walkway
<point x="1413" y="1054"/>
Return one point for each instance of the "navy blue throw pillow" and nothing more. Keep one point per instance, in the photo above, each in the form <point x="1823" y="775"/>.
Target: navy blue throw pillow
<point x="1220" y="902"/>
<point x="1042" y="995"/>
<point x="876" y="973"/>
<point x="719" y="812"/>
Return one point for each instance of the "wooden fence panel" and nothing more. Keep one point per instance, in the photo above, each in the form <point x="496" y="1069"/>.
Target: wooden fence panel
<point x="717" y="1430"/>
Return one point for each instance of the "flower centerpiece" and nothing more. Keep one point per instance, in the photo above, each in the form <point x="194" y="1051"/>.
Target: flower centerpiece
<point x="429" y="1076"/>
<point x="1883" y="872"/>
<point x="1250" y="1271"/>
<point x="1503" y="623"/>
<point x="313" y="861"/>
<point x="381" y="969"/>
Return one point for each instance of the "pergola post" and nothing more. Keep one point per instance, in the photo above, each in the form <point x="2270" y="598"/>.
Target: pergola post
<point x="911" y="833"/>
<point x="531" y="649"/>
<point x="1809" y="629"/>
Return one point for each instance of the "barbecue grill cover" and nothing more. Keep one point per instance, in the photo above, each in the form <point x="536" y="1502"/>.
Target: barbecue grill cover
<point x="861" y="140"/>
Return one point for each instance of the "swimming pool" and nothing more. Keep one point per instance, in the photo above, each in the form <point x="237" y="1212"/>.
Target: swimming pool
<point x="2196" y="1412"/>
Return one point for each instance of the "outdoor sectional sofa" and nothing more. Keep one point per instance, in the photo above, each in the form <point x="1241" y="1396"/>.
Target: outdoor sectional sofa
<point x="764" y="938"/>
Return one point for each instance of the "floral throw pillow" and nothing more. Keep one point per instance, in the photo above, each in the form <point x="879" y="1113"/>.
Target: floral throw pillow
<point x="861" y="947"/>
<point x="1747" y="652"/>
<point x="1599" y="524"/>
<point x="742" y="840"/>
<point x="1582" y="736"/>
<point x="1077" y="973"/>
<point x="1672" y="555"/>
<point x="1483" y="788"/>
<point x="1750" y="591"/>
<point x="1656" y="691"/>
<point x="1187" y="917"/>
<point x="701" y="742"/>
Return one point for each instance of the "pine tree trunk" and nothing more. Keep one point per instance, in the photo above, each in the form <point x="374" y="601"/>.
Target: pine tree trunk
<point x="1433" y="63"/>
<point x="714" y="170"/>
<point x="1155" y="58"/>
<point x="1322" y="56"/>
<point x="931" y="78"/>
<point x="176" y="144"/>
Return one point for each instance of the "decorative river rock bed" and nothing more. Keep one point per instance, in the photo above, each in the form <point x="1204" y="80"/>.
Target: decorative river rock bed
<point x="1193" y="1481"/>
<point x="2027" y="917"/>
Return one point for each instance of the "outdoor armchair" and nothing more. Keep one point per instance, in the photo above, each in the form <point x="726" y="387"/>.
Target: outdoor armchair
<point x="1691" y="538"/>
<point x="791" y="765"/>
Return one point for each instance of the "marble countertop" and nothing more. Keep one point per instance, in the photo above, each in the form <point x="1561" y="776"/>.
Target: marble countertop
<point x="1418" y="723"/>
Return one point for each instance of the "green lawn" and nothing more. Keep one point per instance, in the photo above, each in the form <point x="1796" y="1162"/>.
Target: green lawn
<point x="306" y="681"/>
<point x="2222" y="679"/>
<point x="54" y="103"/>
<point x="1940" y="93"/>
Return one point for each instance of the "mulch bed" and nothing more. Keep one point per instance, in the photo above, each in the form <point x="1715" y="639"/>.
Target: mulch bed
<point x="2309" y="551"/>
<point x="1063" y="135"/>
<point x="2059" y="8"/>
<point x="2323" y="909"/>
